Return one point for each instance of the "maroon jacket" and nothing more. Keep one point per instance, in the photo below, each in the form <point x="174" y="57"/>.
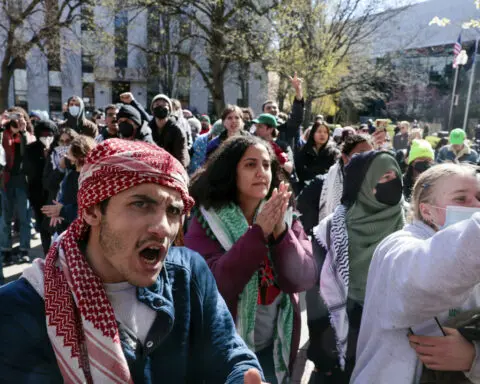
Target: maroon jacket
<point x="294" y="264"/>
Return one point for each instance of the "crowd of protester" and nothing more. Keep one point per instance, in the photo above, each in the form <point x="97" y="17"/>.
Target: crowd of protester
<point x="380" y="232"/>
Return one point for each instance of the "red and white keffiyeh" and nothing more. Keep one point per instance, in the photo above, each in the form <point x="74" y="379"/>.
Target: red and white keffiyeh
<point x="81" y="322"/>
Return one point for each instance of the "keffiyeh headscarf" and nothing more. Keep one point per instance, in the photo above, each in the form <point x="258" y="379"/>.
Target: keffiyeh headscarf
<point x="81" y="322"/>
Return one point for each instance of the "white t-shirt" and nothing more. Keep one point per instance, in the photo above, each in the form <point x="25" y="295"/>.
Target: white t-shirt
<point x="134" y="315"/>
<point x="265" y="323"/>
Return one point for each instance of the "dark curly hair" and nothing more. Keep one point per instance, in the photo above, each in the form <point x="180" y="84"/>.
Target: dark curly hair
<point x="215" y="184"/>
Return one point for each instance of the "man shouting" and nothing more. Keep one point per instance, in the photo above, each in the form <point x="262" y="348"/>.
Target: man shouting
<point x="114" y="302"/>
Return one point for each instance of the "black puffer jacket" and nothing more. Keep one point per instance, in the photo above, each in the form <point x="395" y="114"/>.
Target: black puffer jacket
<point x="309" y="163"/>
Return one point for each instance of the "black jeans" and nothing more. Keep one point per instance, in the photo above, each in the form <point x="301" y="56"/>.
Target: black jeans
<point x="322" y="350"/>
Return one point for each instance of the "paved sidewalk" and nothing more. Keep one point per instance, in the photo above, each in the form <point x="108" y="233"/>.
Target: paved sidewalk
<point x="14" y="271"/>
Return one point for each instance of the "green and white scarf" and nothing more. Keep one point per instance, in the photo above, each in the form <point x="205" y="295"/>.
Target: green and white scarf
<point x="228" y="224"/>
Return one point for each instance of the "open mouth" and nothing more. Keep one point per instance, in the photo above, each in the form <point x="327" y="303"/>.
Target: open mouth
<point x="151" y="255"/>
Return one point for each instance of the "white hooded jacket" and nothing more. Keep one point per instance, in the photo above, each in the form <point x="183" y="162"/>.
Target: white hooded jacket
<point x="415" y="274"/>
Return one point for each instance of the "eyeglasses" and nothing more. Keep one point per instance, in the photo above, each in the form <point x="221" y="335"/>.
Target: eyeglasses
<point x="65" y="142"/>
<point x="111" y="115"/>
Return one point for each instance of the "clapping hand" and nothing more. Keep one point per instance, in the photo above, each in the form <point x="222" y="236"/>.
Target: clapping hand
<point x="52" y="210"/>
<point x="271" y="217"/>
<point x="55" y="220"/>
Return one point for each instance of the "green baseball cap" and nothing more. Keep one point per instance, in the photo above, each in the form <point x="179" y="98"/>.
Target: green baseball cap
<point x="267" y="119"/>
<point x="457" y="136"/>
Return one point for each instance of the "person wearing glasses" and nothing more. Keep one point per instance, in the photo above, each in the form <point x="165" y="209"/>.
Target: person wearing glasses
<point x="110" y="131"/>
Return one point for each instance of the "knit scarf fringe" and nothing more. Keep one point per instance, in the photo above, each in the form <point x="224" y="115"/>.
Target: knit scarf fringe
<point x="334" y="277"/>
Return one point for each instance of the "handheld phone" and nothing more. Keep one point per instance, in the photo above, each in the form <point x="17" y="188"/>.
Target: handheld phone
<point x="430" y="327"/>
<point x="13" y="116"/>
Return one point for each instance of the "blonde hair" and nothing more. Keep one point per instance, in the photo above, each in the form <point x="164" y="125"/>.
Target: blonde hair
<point x="406" y="123"/>
<point x="415" y="133"/>
<point x="428" y="182"/>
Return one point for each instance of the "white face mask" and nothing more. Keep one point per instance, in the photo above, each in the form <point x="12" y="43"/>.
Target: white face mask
<point x="74" y="110"/>
<point x="456" y="214"/>
<point x="47" y="141"/>
<point x="62" y="150"/>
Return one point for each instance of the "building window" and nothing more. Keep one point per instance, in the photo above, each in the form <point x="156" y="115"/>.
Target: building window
<point x="55" y="100"/>
<point x="87" y="62"/>
<point x="88" y="95"/>
<point x="119" y="87"/>
<point x="20" y="86"/>
<point x="121" y="39"/>
<point x="183" y="81"/>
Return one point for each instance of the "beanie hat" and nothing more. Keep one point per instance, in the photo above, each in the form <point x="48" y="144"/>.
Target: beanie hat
<point x="195" y="124"/>
<point x="162" y="97"/>
<point x="457" y="136"/>
<point x="130" y="113"/>
<point x="42" y="115"/>
<point x="45" y="126"/>
<point x="420" y="148"/>
<point x="217" y="128"/>
<point x="205" y="118"/>
<point x="337" y="132"/>
<point x="267" y="119"/>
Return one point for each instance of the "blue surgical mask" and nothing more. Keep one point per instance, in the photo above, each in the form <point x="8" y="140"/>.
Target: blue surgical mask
<point x="455" y="214"/>
<point x="74" y="110"/>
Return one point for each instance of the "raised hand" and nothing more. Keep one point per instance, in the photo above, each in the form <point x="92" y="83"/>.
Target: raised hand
<point x="297" y="85"/>
<point x="126" y="97"/>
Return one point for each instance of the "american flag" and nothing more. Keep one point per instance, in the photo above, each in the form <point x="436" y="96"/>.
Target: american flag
<point x="457" y="49"/>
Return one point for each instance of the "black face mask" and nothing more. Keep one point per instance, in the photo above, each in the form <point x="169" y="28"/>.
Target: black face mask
<point x="161" y="112"/>
<point x="421" y="166"/>
<point x="389" y="193"/>
<point x="126" y="130"/>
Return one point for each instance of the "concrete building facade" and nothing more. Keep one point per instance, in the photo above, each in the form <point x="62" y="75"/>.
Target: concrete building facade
<point x="99" y="71"/>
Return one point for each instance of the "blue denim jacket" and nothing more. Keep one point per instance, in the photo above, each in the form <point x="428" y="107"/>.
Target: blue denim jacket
<point x="446" y="154"/>
<point x="192" y="340"/>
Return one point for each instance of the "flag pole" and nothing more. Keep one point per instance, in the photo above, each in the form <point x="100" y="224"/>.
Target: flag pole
<point x="450" y="115"/>
<point x="470" y="86"/>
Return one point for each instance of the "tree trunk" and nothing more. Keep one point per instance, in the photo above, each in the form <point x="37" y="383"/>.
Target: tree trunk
<point x="308" y="112"/>
<point x="282" y="93"/>
<point x="218" y="93"/>
<point x="5" y="87"/>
